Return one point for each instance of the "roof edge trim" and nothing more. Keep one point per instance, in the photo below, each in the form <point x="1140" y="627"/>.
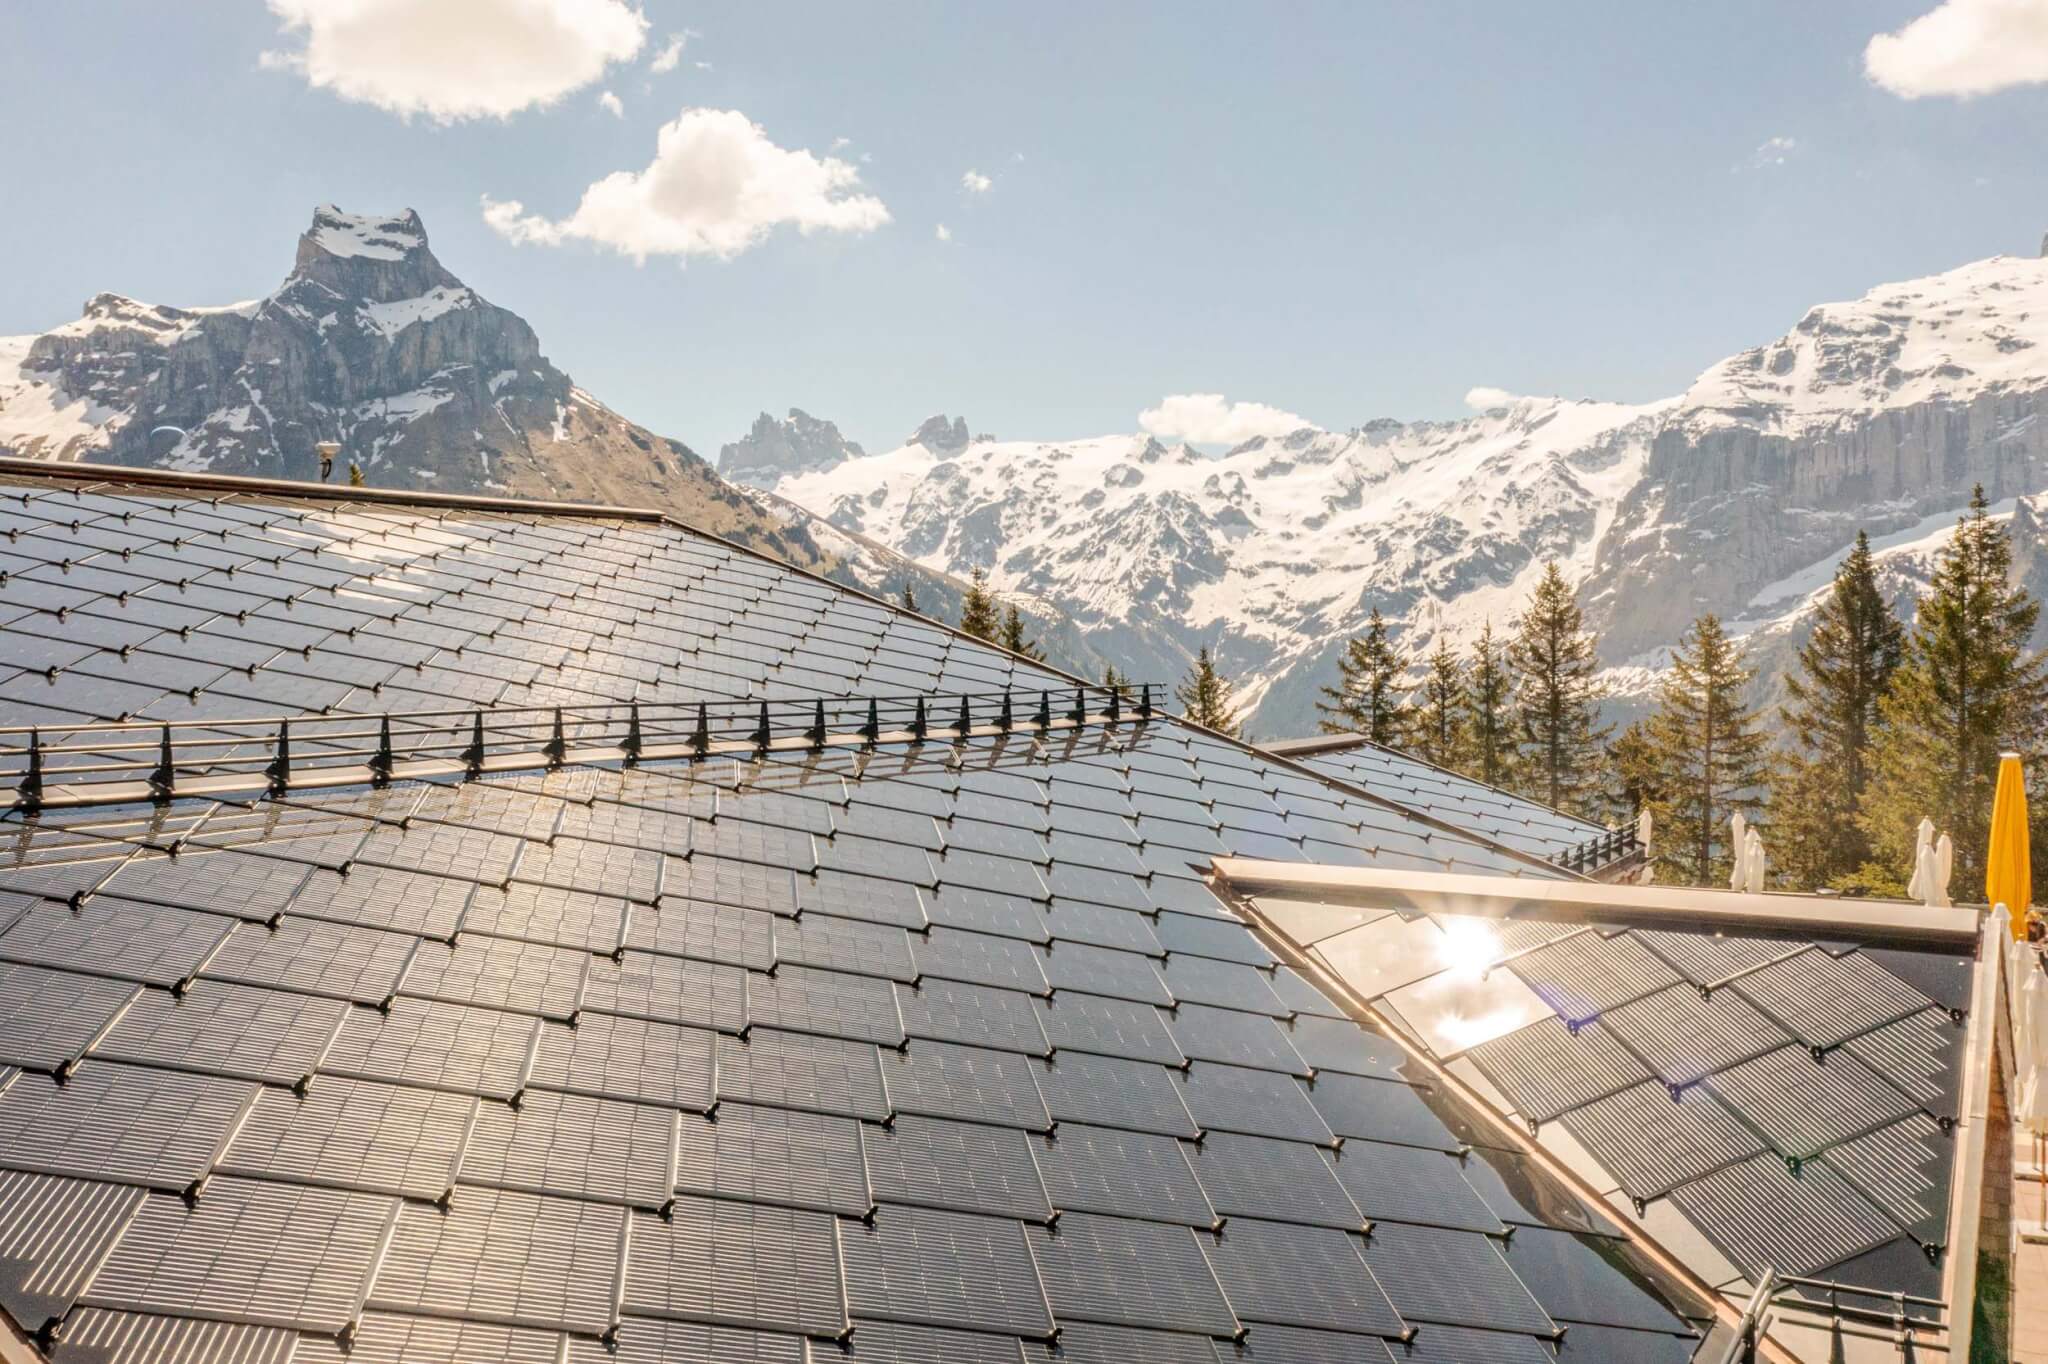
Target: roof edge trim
<point x="1500" y="896"/>
<point x="1966" y="1180"/>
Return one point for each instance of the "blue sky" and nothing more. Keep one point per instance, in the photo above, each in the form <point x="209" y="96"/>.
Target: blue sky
<point x="1344" y="211"/>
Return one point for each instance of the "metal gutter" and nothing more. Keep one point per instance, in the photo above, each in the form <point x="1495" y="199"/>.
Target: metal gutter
<point x="1504" y="896"/>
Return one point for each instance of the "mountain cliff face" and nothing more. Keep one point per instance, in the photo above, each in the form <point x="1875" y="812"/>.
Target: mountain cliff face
<point x="1737" y="496"/>
<point x="797" y="444"/>
<point x="371" y="342"/>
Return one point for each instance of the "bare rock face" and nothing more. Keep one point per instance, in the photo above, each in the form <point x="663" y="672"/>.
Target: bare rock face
<point x="940" y="436"/>
<point x="372" y="343"/>
<point x="799" y="443"/>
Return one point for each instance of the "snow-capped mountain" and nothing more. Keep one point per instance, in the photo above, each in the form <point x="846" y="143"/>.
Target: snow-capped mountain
<point x="778" y="447"/>
<point x="1877" y="414"/>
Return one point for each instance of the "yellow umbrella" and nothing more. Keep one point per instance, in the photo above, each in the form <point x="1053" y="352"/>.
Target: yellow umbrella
<point x="2008" y="870"/>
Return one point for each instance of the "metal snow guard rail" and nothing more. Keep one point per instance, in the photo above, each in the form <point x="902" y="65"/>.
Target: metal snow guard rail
<point x="157" y="761"/>
<point x="1601" y="850"/>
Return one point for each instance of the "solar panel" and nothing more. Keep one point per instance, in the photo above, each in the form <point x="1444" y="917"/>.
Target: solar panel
<point x="1587" y="1279"/>
<point x="1261" y="1102"/>
<point x="1804" y="1107"/>
<point x="437" y="1046"/>
<point x="1104" y="971"/>
<point x="846" y="945"/>
<point x="965" y="1167"/>
<point x="307" y="956"/>
<point x="786" y="1070"/>
<point x="1290" y="1275"/>
<point x="1411" y="1184"/>
<point x="1107" y="1091"/>
<point x="499" y="973"/>
<point x="953" y="1011"/>
<point x="223" y="1029"/>
<point x="1242" y="1039"/>
<point x="979" y="958"/>
<point x="605" y="1056"/>
<point x="251" y="1252"/>
<point x="644" y="1340"/>
<point x="513" y="1259"/>
<point x="1128" y="1273"/>
<point x="780" y="1156"/>
<point x="669" y="990"/>
<point x="1109" y="1027"/>
<point x="929" y="1267"/>
<point x="831" y="1003"/>
<point x="1546" y="1068"/>
<point x="1455" y="1277"/>
<point x="577" y="1147"/>
<point x="357" y="1135"/>
<point x="1282" y="1181"/>
<point x="945" y="1079"/>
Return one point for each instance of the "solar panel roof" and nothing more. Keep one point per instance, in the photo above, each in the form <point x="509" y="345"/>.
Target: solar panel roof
<point x="910" y="1051"/>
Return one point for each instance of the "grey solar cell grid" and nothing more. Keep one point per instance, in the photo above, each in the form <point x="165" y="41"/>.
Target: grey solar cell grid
<point x="123" y="1124"/>
<point x="1106" y="1091"/>
<point x="634" y="1059"/>
<point x="355" y="1134"/>
<point x="1240" y="1039"/>
<point x="787" y="1070"/>
<point x="845" y="945"/>
<point x="1452" y="1277"/>
<point x="513" y="1259"/>
<point x="1281" y="1181"/>
<point x="872" y="898"/>
<point x="500" y="973"/>
<point x="1109" y="1027"/>
<point x="1223" y="938"/>
<point x="1584" y="975"/>
<point x="1759" y="1213"/>
<point x="1300" y="1276"/>
<point x="116" y="938"/>
<point x="979" y="1015"/>
<point x="1230" y="985"/>
<point x="779" y="1156"/>
<point x="979" y="958"/>
<point x="830" y="1003"/>
<point x="947" y="1079"/>
<point x="1588" y="1279"/>
<point x="307" y="956"/>
<point x="1128" y="1174"/>
<point x="1804" y="1107"/>
<point x="1683" y="1038"/>
<point x="669" y="990"/>
<point x="963" y="1167"/>
<point x="1825" y="1000"/>
<point x="1262" y="1103"/>
<point x="1127" y="1273"/>
<point x="225" y="1029"/>
<point x="1546" y="1068"/>
<point x="243" y="885"/>
<point x="1077" y="921"/>
<point x="1412" y="1184"/>
<point x="722" y="881"/>
<point x="1652" y="1141"/>
<point x="1380" y="1110"/>
<point x="550" y="916"/>
<point x="577" y="1147"/>
<point x="380" y="897"/>
<point x="433" y="1045"/>
<point x="251" y="1252"/>
<point x="738" y="1264"/>
<point x="1104" y="971"/>
<point x="706" y="932"/>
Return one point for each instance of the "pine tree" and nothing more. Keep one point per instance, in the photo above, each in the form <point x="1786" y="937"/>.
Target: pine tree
<point x="1367" y="697"/>
<point x="1205" y="697"/>
<point x="1633" y="758"/>
<point x="978" y="613"/>
<point x="909" y="596"/>
<point x="1557" y="704"/>
<point x="1115" y="681"/>
<point x="1832" y="717"/>
<point x="1437" y="732"/>
<point x="355" y="475"/>
<point x="1966" y="689"/>
<point x="1012" y="636"/>
<point x="1489" y="725"/>
<point x="1704" y="755"/>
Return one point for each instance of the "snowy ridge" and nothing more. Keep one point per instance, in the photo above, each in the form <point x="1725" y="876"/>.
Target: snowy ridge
<point x="1737" y="496"/>
<point x="349" y="234"/>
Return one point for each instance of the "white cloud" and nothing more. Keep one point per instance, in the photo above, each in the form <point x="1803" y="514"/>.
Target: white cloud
<point x="1485" y="397"/>
<point x="1207" y="419"/>
<point x="945" y="234"/>
<point x="841" y="143"/>
<point x="671" y="52"/>
<point x="1963" y="48"/>
<point x="609" y="102"/>
<point x="455" y="59"/>
<point x="1773" y="151"/>
<point x="716" y="187"/>
<point x="974" y="182"/>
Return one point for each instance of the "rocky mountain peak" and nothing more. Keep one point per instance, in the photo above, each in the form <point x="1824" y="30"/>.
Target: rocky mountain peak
<point x="941" y="436"/>
<point x="379" y="259"/>
<point x="798" y="443"/>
